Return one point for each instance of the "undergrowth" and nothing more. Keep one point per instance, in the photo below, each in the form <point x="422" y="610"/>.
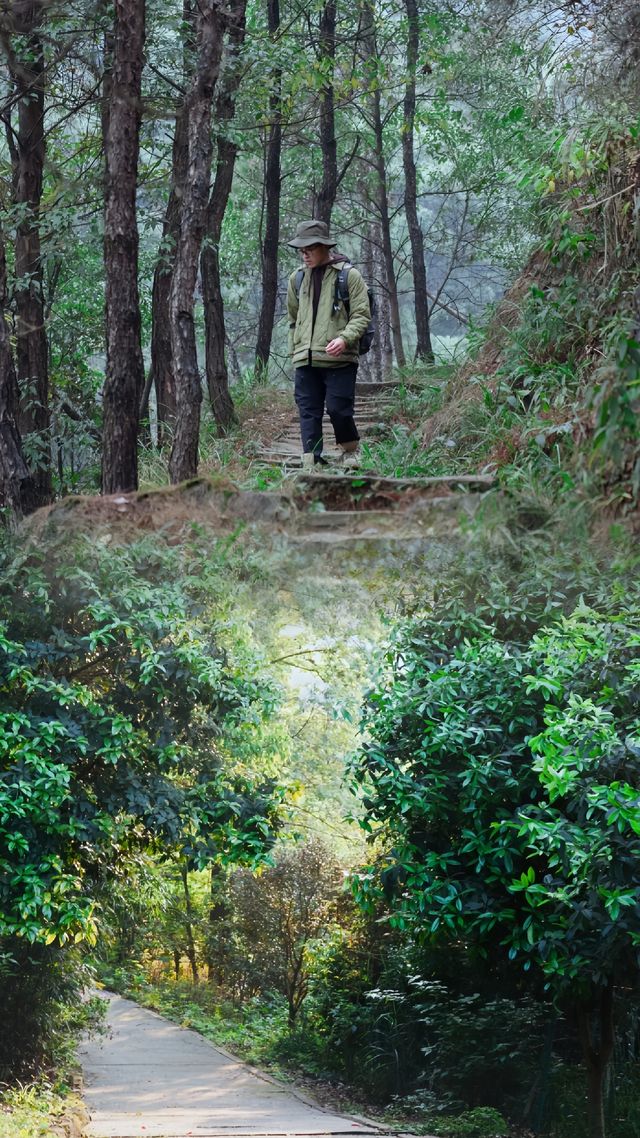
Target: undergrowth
<point x="549" y="398"/>
<point x="34" y="1111"/>
<point x="257" y="1032"/>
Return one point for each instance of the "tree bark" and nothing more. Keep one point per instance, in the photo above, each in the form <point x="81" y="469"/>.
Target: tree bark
<point x="161" y="359"/>
<point x="124" y="380"/>
<point x="385" y="333"/>
<point x="183" y="462"/>
<point x="272" y="187"/>
<point x="188" y="923"/>
<point x="217" y="918"/>
<point x="326" y="197"/>
<point x="215" y="335"/>
<point x="161" y="363"/>
<point x="595" y="1025"/>
<point x="27" y="146"/>
<point x="16" y="483"/>
<point x="295" y="987"/>
<point x="369" y="366"/>
<point x="382" y="196"/>
<point x="424" y="349"/>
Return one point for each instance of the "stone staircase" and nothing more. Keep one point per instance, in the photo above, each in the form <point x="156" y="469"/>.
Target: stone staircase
<point x="335" y="508"/>
<point x="372" y="405"/>
<point x="332" y="506"/>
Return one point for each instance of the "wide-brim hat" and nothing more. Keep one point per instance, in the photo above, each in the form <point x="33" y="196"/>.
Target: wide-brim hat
<point x="312" y="233"/>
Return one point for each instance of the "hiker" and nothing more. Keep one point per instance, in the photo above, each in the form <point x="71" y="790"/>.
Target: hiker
<point x="324" y="336"/>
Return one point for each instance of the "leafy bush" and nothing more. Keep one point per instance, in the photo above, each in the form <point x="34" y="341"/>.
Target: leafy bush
<point x="504" y="776"/>
<point x="38" y="1110"/>
<point x="482" y="1122"/>
<point x="276" y="915"/>
<point x="43" y="1007"/>
<point x="409" y="1037"/>
<point x="115" y="703"/>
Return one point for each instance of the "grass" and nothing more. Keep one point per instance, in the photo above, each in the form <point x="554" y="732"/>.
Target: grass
<point x="252" y="1031"/>
<point x="527" y="423"/>
<point x="33" y="1111"/>
<point x="256" y="1032"/>
<point x="260" y="410"/>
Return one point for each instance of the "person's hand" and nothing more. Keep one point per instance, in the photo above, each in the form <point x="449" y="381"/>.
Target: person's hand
<point x="336" y="347"/>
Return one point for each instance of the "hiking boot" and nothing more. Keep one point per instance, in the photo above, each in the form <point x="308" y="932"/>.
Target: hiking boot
<point x="349" y="460"/>
<point x="313" y="463"/>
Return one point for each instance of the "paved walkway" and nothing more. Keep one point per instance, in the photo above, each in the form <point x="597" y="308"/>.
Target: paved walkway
<point x="148" y="1078"/>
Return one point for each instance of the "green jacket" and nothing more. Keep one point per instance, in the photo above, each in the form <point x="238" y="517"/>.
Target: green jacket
<point x="329" y="324"/>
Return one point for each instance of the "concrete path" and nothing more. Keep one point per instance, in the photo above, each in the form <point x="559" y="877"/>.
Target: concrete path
<point x="148" y="1078"/>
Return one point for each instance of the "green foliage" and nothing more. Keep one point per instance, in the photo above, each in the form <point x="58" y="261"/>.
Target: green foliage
<point x="482" y="1122"/>
<point x="112" y="705"/>
<point x="558" y="368"/>
<point x="33" y="1111"/>
<point x="120" y="714"/>
<point x="386" y="1021"/>
<point x="537" y="857"/>
<point x="615" y="399"/>
<point x="42" y="999"/>
<point x="478" y="1048"/>
<point x="499" y="780"/>
<point x="568" y="1101"/>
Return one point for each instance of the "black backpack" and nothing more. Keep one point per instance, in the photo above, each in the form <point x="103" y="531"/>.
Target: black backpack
<point x="342" y="297"/>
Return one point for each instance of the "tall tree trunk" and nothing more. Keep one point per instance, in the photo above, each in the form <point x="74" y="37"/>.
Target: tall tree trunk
<point x="595" y="1025"/>
<point x="272" y="187"/>
<point x="424" y="349"/>
<point x="217" y="922"/>
<point x="161" y="363"/>
<point x="368" y="369"/>
<point x="188" y="923"/>
<point x="16" y="483"/>
<point x="326" y="198"/>
<point x="382" y="196"/>
<point x="161" y="359"/>
<point x="183" y="462"/>
<point x="124" y="380"/>
<point x="27" y="148"/>
<point x="385" y="314"/>
<point x="215" y="336"/>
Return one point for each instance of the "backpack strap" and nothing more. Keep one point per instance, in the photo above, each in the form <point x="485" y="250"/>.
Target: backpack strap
<point x="342" y="287"/>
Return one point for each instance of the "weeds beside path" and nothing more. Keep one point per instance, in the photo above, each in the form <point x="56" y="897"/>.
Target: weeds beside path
<point x="258" y="1034"/>
<point x="255" y="1033"/>
<point x="38" y="1110"/>
<point x="147" y="1075"/>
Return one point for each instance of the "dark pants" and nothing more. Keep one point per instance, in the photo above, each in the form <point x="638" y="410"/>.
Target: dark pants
<point x="333" y="387"/>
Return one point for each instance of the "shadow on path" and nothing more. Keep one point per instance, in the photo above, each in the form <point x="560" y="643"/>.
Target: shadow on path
<point x="148" y="1077"/>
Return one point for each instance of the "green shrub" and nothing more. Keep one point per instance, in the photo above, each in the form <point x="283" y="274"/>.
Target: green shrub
<point x="37" y="1111"/>
<point x="41" y="1000"/>
<point x="483" y="1122"/>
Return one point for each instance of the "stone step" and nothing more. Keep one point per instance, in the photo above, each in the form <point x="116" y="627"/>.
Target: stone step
<point x="372" y="404"/>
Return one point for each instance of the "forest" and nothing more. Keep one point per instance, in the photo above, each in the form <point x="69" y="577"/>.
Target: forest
<point x="361" y="805"/>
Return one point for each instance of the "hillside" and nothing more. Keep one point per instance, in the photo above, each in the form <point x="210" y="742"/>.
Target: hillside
<point x="549" y="394"/>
